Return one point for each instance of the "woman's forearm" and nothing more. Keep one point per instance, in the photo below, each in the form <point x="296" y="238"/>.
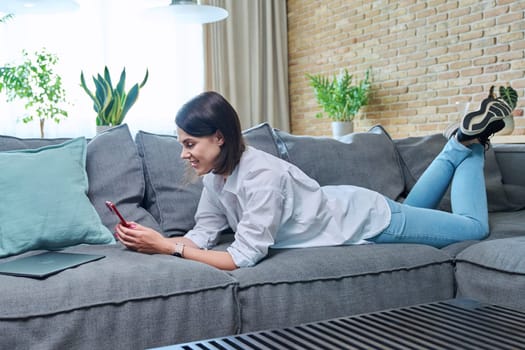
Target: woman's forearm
<point x="219" y="259"/>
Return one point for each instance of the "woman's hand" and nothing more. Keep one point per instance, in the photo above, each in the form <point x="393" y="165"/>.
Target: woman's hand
<point x="143" y="239"/>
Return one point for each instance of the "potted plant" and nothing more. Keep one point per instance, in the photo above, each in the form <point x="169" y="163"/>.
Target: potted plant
<point x="35" y="82"/>
<point x="340" y="99"/>
<point x="111" y="103"/>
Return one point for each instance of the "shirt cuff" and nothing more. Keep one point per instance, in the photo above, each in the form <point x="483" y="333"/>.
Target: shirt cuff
<point x="202" y="241"/>
<point x="241" y="259"/>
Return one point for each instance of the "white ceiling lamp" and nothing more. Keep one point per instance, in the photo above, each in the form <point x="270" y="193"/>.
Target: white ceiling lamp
<point x="190" y="11"/>
<point x="22" y="7"/>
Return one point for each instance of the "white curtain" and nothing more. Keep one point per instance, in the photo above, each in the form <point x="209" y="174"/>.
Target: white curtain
<point x="116" y="33"/>
<point x="247" y="60"/>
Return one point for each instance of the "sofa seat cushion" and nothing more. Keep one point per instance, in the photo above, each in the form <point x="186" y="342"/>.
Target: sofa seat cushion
<point x="502" y="225"/>
<point x="507" y="224"/>
<point x="121" y="276"/>
<point x="294" y="286"/>
<point x="493" y="271"/>
<point x="122" y="297"/>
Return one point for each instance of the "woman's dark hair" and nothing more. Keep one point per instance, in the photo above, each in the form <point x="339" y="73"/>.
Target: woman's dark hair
<point x="208" y="113"/>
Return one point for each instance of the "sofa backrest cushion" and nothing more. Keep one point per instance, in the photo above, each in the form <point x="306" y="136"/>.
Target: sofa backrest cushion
<point x="511" y="159"/>
<point x="261" y="137"/>
<point x="369" y="160"/>
<point x="44" y="199"/>
<point x="172" y="189"/>
<point x="114" y="171"/>
<point x="172" y="193"/>
<point x="416" y="154"/>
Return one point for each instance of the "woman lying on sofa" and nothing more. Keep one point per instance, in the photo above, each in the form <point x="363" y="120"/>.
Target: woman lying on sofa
<point x="270" y="203"/>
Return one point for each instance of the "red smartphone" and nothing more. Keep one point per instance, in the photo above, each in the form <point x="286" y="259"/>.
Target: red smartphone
<point x="113" y="208"/>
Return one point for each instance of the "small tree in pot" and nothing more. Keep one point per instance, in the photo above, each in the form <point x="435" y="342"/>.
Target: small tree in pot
<point x="339" y="98"/>
<point x="35" y="82"/>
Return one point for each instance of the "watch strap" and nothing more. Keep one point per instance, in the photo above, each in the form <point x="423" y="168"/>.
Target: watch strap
<point x="179" y="250"/>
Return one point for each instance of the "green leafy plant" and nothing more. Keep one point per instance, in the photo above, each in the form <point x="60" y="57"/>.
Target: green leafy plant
<point x="340" y="99"/>
<point x="112" y="103"/>
<point x="508" y="94"/>
<point x="35" y="82"/>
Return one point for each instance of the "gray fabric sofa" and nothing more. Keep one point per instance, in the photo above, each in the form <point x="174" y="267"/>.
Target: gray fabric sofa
<point x="130" y="300"/>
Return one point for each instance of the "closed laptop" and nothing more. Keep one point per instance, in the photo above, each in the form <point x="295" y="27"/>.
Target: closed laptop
<point x="45" y="264"/>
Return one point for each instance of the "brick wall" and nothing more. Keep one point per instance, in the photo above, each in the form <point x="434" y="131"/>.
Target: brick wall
<point x="425" y="56"/>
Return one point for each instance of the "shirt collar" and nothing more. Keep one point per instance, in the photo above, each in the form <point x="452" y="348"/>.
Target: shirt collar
<point x="231" y="184"/>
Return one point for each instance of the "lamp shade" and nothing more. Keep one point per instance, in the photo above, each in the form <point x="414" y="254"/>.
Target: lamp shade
<point x="21" y="7"/>
<point x="189" y="11"/>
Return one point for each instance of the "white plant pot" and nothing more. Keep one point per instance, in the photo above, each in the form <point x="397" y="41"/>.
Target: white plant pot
<point x="342" y="128"/>
<point x="101" y="128"/>
<point x="509" y="125"/>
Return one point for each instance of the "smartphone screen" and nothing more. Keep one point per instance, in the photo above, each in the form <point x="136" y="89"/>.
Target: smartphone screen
<point x="113" y="208"/>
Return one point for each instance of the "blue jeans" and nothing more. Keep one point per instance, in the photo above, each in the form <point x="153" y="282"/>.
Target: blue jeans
<point x="417" y="221"/>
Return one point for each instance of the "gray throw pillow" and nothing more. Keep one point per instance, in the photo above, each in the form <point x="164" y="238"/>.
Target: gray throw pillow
<point x="362" y="159"/>
<point x="114" y="173"/>
<point x="172" y="193"/>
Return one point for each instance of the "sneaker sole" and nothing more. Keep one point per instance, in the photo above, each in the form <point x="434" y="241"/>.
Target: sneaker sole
<point x="476" y="122"/>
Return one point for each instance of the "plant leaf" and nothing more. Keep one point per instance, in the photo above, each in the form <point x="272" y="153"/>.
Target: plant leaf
<point x="107" y="77"/>
<point x="112" y="104"/>
<point x="122" y="82"/>
<point x="338" y="97"/>
<point x="145" y="79"/>
<point x="509" y="95"/>
<point x="96" y="106"/>
<point x="131" y="98"/>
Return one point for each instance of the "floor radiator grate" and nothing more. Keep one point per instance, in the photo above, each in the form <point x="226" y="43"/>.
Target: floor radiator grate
<point x="454" y="324"/>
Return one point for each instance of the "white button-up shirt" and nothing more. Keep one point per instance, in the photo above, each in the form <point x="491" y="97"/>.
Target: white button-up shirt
<point x="269" y="202"/>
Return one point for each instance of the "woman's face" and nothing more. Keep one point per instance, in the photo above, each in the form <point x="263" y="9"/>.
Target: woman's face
<point x="201" y="152"/>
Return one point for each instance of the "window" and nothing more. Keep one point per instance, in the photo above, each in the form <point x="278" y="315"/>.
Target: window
<point x="116" y="33"/>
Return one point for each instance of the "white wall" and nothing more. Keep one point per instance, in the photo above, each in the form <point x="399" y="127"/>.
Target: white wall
<point x="116" y="33"/>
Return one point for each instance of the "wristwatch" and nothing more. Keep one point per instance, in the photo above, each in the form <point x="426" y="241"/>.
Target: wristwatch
<point x="179" y="250"/>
